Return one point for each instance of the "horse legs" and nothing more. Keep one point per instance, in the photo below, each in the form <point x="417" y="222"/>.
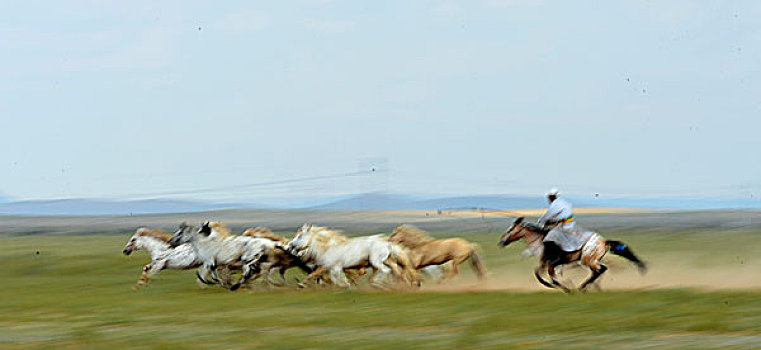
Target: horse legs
<point x="353" y="278"/>
<point x="539" y="278"/>
<point x="282" y="275"/>
<point x="373" y="273"/>
<point x="595" y="274"/>
<point x="276" y="267"/>
<point x="453" y="271"/>
<point x="338" y="277"/>
<point x="144" y="279"/>
<point x="223" y="275"/>
<point x="551" y="271"/>
<point x="261" y="268"/>
<point x="150" y="271"/>
<point x="249" y="269"/>
<point x="398" y="271"/>
<point x="269" y="277"/>
<point x="455" y="268"/>
<point x="316" y="273"/>
<point x="214" y="276"/>
<point x="205" y="273"/>
<point x="379" y="262"/>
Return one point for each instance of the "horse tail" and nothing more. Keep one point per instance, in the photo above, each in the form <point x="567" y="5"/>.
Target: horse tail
<point x="477" y="261"/>
<point x="622" y="249"/>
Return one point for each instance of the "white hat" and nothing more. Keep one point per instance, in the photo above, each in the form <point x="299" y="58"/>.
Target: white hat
<point x="553" y="192"/>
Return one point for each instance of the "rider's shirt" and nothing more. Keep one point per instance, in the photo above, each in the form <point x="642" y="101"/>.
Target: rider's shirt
<point x="567" y="235"/>
<point x="560" y="209"/>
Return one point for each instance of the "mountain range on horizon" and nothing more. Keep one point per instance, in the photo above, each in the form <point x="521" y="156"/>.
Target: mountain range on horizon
<point x="365" y="201"/>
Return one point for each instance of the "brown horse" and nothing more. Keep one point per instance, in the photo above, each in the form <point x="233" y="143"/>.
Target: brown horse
<point x="426" y="251"/>
<point x="551" y="256"/>
<point x="282" y="260"/>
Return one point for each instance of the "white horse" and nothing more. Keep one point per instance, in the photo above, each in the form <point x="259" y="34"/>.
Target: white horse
<point x="214" y="250"/>
<point x="163" y="256"/>
<point x="333" y="253"/>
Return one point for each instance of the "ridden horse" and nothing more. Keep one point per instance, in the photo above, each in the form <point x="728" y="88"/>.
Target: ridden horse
<point x="552" y="256"/>
<point x="426" y="251"/>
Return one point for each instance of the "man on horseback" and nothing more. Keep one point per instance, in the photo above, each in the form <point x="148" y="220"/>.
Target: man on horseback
<point x="566" y="243"/>
<point x="564" y="232"/>
<point x="566" y="236"/>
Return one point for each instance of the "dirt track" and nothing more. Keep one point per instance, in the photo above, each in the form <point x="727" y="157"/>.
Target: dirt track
<point x="618" y="278"/>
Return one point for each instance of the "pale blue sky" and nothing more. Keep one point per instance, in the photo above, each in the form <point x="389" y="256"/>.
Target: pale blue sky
<point x="117" y="98"/>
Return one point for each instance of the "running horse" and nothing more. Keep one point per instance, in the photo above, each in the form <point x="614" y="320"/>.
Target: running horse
<point x="163" y="256"/>
<point x="551" y="256"/>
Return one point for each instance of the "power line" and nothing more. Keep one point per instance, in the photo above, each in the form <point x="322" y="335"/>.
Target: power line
<point x="251" y="185"/>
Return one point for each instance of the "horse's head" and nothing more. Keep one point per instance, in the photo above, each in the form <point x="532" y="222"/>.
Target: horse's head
<point x="131" y="246"/>
<point x="301" y="239"/>
<point x="516" y="231"/>
<point x="183" y="235"/>
<point x="205" y="229"/>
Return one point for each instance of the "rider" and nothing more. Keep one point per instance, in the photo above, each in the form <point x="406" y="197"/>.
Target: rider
<point x="564" y="233"/>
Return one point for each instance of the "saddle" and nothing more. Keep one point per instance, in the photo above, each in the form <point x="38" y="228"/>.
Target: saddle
<point x="554" y="255"/>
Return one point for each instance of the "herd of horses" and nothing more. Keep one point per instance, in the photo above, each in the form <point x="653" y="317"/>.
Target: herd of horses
<point x="328" y="257"/>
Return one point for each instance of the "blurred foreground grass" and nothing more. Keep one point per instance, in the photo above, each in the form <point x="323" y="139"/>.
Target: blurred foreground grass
<point x="76" y="293"/>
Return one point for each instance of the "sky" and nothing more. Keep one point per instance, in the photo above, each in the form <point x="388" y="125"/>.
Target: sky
<point x="246" y="100"/>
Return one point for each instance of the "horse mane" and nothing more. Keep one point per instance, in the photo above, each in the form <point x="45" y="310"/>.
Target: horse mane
<point x="410" y="236"/>
<point x="535" y="228"/>
<point x="324" y="236"/>
<point x="263" y="232"/>
<point x="156" y="233"/>
<point x="222" y="230"/>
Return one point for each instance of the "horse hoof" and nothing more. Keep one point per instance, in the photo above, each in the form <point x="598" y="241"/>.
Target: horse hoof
<point x="234" y="287"/>
<point x="301" y="285"/>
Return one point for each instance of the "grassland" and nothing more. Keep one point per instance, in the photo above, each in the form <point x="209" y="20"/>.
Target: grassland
<point x="702" y="292"/>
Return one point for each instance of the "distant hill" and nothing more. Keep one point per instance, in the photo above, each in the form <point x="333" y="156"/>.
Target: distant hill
<point x="669" y="203"/>
<point x="383" y="201"/>
<point x="75" y="207"/>
<point x="369" y="201"/>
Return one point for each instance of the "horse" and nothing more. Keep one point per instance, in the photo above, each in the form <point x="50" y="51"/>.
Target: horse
<point x="281" y="258"/>
<point x="223" y="250"/>
<point x="163" y="256"/>
<point x="263" y="232"/>
<point x="272" y="258"/>
<point x="288" y="260"/>
<point x="551" y="256"/>
<point x="399" y="256"/>
<point x="426" y="251"/>
<point x="333" y="253"/>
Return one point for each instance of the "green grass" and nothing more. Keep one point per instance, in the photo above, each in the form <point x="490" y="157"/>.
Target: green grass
<point x="77" y="293"/>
